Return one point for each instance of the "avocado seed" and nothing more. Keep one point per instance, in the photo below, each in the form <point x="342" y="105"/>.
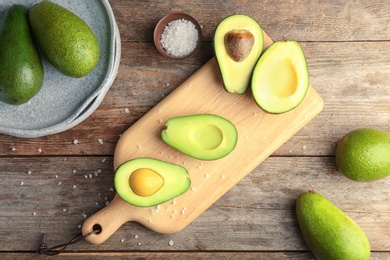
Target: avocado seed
<point x="238" y="44"/>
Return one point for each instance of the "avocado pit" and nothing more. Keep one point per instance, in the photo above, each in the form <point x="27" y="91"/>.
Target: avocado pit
<point x="238" y="44"/>
<point x="145" y="182"/>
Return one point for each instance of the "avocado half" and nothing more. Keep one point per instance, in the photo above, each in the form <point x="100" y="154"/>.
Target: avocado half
<point x="280" y="79"/>
<point x="202" y="136"/>
<point x="238" y="44"/>
<point x="146" y="182"/>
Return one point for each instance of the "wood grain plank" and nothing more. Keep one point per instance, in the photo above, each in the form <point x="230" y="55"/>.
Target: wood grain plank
<point x="184" y="255"/>
<point x="310" y="20"/>
<point x="258" y="214"/>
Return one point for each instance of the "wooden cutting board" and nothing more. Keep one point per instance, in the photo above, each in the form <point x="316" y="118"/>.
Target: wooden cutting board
<point x="259" y="135"/>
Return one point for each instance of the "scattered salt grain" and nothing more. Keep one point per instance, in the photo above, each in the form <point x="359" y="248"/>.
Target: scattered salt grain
<point x="34" y="213"/>
<point x="79" y="226"/>
<point x="84" y="215"/>
<point x="86" y="176"/>
<point x="22" y="183"/>
<point x="304" y="147"/>
<point x="136" y="236"/>
<point x="63" y="210"/>
<point x="100" y="141"/>
<point x="59" y="183"/>
<point x="103" y="160"/>
<point x="111" y="189"/>
<point x="139" y="147"/>
<point x="160" y="120"/>
<point x="170" y="243"/>
<point x="206" y="175"/>
<point x="75" y="141"/>
<point x="122" y="240"/>
<point x="74" y="186"/>
<point x="39" y="150"/>
<point x="29" y="172"/>
<point x="150" y="220"/>
<point x="74" y="171"/>
<point x="56" y="176"/>
<point x="179" y="38"/>
<point x="127" y="110"/>
<point x="13" y="149"/>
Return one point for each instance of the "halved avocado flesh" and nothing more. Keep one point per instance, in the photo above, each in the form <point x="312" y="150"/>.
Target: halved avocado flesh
<point x="238" y="44"/>
<point x="146" y="182"/>
<point x="281" y="78"/>
<point x="202" y="136"/>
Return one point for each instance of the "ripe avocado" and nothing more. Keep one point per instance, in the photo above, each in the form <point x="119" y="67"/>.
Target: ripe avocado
<point x="146" y="182"/>
<point x="66" y="40"/>
<point x="203" y="136"/>
<point x="238" y="44"/>
<point x="281" y="78"/>
<point x="328" y="231"/>
<point x="21" y="70"/>
<point x="364" y="154"/>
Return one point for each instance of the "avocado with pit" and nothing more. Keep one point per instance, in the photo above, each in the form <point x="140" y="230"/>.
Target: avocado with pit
<point x="238" y="44"/>
<point x="146" y="182"/>
<point x="21" y="70"/>
<point x="67" y="41"/>
<point x="201" y="136"/>
<point x="280" y="79"/>
<point x="328" y="231"/>
<point x="364" y="154"/>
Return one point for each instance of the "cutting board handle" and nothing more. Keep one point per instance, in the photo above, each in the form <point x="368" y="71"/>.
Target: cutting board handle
<point x="109" y="219"/>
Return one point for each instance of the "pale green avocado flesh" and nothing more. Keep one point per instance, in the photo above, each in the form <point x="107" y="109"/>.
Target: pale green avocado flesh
<point x="172" y="180"/>
<point x="202" y="136"/>
<point x="280" y="79"/>
<point x="328" y="231"/>
<point x="238" y="44"/>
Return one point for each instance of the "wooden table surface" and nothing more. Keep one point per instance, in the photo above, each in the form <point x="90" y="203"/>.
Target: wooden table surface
<point x="50" y="184"/>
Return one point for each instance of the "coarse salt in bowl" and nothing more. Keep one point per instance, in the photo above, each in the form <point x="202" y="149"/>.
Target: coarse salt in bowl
<point x="177" y="36"/>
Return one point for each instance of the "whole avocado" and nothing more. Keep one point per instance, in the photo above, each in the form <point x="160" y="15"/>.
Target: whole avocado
<point x="21" y="70"/>
<point x="66" y="40"/>
<point x="328" y="231"/>
<point x="364" y="154"/>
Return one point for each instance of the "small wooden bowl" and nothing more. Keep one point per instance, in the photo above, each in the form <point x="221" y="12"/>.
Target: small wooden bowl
<point x="159" y="29"/>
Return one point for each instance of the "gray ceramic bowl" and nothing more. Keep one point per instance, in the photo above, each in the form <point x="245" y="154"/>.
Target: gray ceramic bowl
<point x="64" y="102"/>
<point x="159" y="29"/>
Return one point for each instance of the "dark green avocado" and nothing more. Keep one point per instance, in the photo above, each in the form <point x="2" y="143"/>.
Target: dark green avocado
<point x="202" y="136"/>
<point x="146" y="182"/>
<point x="21" y="70"/>
<point x="66" y="40"/>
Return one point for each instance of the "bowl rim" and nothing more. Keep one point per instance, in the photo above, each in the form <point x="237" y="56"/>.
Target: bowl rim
<point x="159" y="28"/>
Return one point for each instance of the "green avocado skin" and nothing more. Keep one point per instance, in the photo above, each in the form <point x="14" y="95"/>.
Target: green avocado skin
<point x="21" y="70"/>
<point x="328" y="231"/>
<point x="66" y="40"/>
